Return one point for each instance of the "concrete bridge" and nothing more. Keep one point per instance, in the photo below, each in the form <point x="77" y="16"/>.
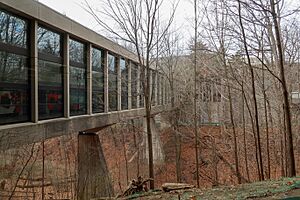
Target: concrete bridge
<point x="58" y="77"/>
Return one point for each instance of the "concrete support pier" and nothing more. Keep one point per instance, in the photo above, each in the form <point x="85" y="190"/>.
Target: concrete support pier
<point x="93" y="176"/>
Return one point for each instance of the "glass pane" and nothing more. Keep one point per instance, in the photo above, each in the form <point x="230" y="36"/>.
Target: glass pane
<point x="78" y="96"/>
<point x="14" y="88"/>
<point x="112" y="83"/>
<point x="153" y="88"/>
<point x="97" y="60"/>
<point x="76" y="51"/>
<point x="50" y="90"/>
<point x="48" y="42"/>
<point x="97" y="81"/>
<point x="124" y="84"/>
<point x="134" y="80"/>
<point x="13" y="30"/>
<point x="158" y="90"/>
<point x="141" y="89"/>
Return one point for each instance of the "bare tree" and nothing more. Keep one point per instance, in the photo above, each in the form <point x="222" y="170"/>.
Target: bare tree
<point x="168" y="65"/>
<point x="291" y="158"/>
<point x="137" y="23"/>
<point x="195" y="92"/>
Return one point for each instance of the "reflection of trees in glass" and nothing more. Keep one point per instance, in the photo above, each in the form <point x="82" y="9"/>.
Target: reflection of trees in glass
<point x="112" y="83"/>
<point x="14" y="88"/>
<point x="13" y="30"/>
<point x="76" y="51"/>
<point x="13" y="68"/>
<point x="141" y="89"/>
<point x="50" y="90"/>
<point x="48" y="42"/>
<point x="14" y="84"/>
<point x="153" y="87"/>
<point x="77" y="90"/>
<point x="98" y="81"/>
<point x="124" y="84"/>
<point x="78" y="81"/>
<point x="158" y="89"/>
<point x="50" y="74"/>
<point x="134" y="89"/>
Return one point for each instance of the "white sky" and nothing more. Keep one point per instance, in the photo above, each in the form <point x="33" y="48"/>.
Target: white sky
<point x="183" y="18"/>
<point x="73" y="9"/>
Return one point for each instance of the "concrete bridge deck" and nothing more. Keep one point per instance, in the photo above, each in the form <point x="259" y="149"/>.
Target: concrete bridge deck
<point x="35" y="107"/>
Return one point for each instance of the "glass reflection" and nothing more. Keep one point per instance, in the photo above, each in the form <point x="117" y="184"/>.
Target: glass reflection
<point x="97" y="81"/>
<point x="153" y="88"/>
<point x="124" y="84"/>
<point x="13" y="30"/>
<point x="50" y="90"/>
<point x="112" y="83"/>
<point x="141" y="89"/>
<point x="78" y="79"/>
<point x="48" y="42"/>
<point x="77" y="91"/>
<point x="134" y="80"/>
<point x="76" y="51"/>
<point x="14" y="88"/>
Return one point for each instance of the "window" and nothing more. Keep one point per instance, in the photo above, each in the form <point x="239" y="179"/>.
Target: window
<point x="141" y="89"/>
<point x="14" y="70"/>
<point x="158" y="89"/>
<point x="124" y="84"/>
<point x="49" y="42"/>
<point x="13" y="30"/>
<point x="112" y="83"/>
<point x="210" y="91"/>
<point x="50" y="74"/>
<point x="134" y="81"/>
<point x="97" y="81"/>
<point x="153" y="87"/>
<point x="78" y="80"/>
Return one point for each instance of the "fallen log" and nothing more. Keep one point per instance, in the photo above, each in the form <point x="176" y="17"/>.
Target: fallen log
<point x="167" y="187"/>
<point x="135" y="186"/>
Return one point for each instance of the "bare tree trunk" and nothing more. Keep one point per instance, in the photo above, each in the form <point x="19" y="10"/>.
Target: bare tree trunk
<point x="244" y="133"/>
<point x="195" y="96"/>
<point x="178" y="155"/>
<point x="236" y="158"/>
<point x="255" y="140"/>
<point x="285" y="143"/>
<point x="148" y="122"/>
<point x="291" y="158"/>
<point x="253" y="92"/>
<point x="267" y="124"/>
<point x="272" y="127"/>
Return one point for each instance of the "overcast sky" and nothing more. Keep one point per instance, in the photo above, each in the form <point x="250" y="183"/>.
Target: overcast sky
<point x="183" y="18"/>
<point x="73" y="9"/>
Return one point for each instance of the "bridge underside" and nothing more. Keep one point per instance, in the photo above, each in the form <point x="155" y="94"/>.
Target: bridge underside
<point x="15" y="135"/>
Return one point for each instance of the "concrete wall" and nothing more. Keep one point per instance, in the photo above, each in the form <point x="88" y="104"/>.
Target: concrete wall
<point x="15" y="135"/>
